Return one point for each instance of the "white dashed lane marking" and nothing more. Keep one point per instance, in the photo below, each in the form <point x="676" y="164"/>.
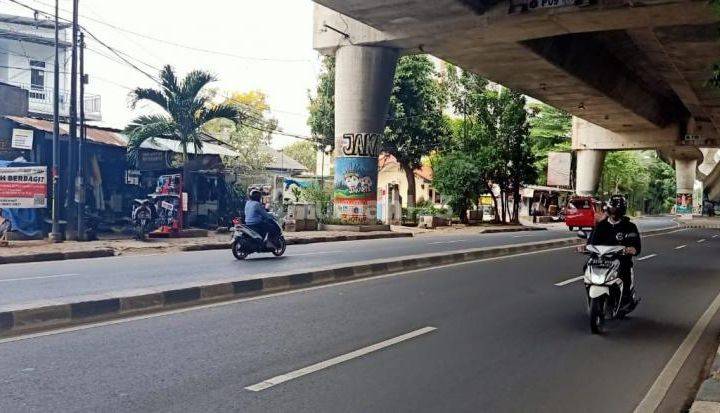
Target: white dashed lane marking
<point x="647" y="257"/>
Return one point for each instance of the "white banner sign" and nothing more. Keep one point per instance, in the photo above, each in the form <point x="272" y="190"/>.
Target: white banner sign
<point x="22" y="139"/>
<point x="23" y="187"/>
<point x="559" y="168"/>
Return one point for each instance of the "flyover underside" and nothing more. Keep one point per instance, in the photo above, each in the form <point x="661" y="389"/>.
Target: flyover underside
<point x="623" y="68"/>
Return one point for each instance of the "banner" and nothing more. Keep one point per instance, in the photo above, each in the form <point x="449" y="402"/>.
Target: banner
<point x="559" y="168"/>
<point x="23" y="187"/>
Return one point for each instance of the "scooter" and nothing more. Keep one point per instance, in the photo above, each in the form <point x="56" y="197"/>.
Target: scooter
<point x="246" y="241"/>
<point x="604" y="286"/>
<point x="142" y="218"/>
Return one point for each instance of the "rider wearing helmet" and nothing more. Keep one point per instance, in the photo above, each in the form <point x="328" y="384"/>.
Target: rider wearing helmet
<point x="257" y="218"/>
<point x="616" y="229"/>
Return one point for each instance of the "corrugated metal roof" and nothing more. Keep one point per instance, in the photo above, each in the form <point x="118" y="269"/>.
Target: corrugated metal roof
<point x="101" y="136"/>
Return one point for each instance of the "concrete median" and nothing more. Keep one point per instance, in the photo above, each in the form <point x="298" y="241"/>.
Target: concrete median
<point x="34" y="317"/>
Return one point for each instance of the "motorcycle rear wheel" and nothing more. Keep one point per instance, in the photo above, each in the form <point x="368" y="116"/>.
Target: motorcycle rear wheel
<point x="238" y="251"/>
<point x="597" y="314"/>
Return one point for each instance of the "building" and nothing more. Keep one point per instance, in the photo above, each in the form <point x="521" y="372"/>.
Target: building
<point x="27" y="59"/>
<point x="390" y="173"/>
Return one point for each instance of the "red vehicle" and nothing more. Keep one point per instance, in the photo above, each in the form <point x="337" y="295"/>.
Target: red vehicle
<point x="582" y="212"/>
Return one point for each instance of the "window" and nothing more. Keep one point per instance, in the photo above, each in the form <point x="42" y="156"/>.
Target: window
<point x="37" y="75"/>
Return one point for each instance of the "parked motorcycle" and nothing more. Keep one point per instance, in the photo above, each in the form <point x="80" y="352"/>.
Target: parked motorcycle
<point x="246" y="241"/>
<point x="143" y="218"/>
<point x="604" y="286"/>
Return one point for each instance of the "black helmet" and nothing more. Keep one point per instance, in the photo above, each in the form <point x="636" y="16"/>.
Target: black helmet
<point x="619" y="204"/>
<point x="255" y="195"/>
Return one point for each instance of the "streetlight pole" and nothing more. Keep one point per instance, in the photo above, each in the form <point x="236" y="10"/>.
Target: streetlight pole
<point x="55" y="236"/>
<point x="81" y="142"/>
<point x="71" y="196"/>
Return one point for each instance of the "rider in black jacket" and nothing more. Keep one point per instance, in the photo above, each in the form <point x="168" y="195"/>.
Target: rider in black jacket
<point x="617" y="229"/>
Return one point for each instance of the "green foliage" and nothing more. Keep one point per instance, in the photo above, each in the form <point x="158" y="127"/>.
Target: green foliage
<point x="417" y="125"/>
<point x="250" y="137"/>
<point x="186" y="109"/>
<point x="304" y="152"/>
<point x="322" y="105"/>
<point x="662" y="187"/>
<point x="458" y="177"/>
<point x="322" y="198"/>
<point x="550" y="131"/>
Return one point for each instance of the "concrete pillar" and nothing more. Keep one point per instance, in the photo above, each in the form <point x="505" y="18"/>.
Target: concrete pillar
<point x="588" y="170"/>
<point x="685" y="170"/>
<point x="363" y="83"/>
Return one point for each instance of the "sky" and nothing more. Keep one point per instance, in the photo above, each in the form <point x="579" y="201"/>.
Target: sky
<point x="271" y="41"/>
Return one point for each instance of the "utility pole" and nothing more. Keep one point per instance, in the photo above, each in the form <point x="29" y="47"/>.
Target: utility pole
<point x="81" y="142"/>
<point x="55" y="236"/>
<point x="71" y="185"/>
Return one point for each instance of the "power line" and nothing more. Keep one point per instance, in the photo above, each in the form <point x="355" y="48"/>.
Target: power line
<point x="197" y="49"/>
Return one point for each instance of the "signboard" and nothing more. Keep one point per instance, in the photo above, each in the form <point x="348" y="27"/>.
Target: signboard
<point x="522" y="6"/>
<point x="22" y="139"/>
<point x="559" y="168"/>
<point x="132" y="177"/>
<point x="23" y="187"/>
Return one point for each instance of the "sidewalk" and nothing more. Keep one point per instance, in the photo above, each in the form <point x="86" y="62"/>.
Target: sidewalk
<point x="31" y="251"/>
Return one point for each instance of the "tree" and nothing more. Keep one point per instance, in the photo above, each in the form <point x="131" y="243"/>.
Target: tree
<point x="322" y="106"/>
<point x="550" y="131"/>
<point x="417" y="125"/>
<point x="250" y="137"/>
<point x="186" y="109"/>
<point x="304" y="152"/>
<point x="662" y="187"/>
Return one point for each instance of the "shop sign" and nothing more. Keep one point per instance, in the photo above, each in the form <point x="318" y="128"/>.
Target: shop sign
<point x="22" y="139"/>
<point x="23" y="187"/>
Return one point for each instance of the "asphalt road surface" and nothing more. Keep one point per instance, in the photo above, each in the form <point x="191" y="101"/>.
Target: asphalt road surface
<point x="23" y="283"/>
<point x="496" y="335"/>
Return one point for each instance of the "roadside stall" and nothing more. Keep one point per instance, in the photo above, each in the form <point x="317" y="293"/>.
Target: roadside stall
<point x="544" y="203"/>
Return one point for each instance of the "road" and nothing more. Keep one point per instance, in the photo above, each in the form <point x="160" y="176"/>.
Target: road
<point x="494" y="335"/>
<point x="23" y="283"/>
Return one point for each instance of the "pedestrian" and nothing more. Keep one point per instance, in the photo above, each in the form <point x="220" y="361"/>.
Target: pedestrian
<point x="5" y="228"/>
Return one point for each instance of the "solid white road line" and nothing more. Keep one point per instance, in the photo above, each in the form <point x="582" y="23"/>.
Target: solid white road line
<point x="337" y="360"/>
<point x="38" y="278"/>
<point x="646" y="257"/>
<point x="701" y="240"/>
<point x="523" y="236"/>
<point x="446" y="242"/>
<point x="570" y="281"/>
<point x="662" y="384"/>
<point x="315" y="253"/>
<point x="679" y="247"/>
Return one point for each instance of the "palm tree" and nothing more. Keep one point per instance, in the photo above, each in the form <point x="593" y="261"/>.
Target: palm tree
<point x="186" y="110"/>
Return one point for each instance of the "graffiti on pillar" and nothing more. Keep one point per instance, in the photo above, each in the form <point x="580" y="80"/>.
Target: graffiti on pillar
<point x="684" y="204"/>
<point x="362" y="144"/>
<point x="356" y="189"/>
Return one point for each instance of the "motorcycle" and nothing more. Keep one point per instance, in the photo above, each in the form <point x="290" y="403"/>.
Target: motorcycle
<point x="246" y="241"/>
<point x="142" y="218"/>
<point x="604" y="286"/>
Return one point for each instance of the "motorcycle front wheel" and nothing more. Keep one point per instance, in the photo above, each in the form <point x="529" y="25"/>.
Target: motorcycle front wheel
<point x="280" y="250"/>
<point x="597" y="314"/>
<point x="238" y="250"/>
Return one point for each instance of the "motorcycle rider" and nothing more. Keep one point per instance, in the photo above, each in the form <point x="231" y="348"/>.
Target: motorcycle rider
<point x="258" y="219"/>
<point x="617" y="229"/>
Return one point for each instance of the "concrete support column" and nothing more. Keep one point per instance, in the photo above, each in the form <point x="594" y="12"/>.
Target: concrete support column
<point x="685" y="170"/>
<point x="363" y="83"/>
<point x="588" y="171"/>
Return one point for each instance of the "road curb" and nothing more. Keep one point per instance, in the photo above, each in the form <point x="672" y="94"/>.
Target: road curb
<point x="707" y="398"/>
<point x="57" y="256"/>
<point x="40" y="316"/>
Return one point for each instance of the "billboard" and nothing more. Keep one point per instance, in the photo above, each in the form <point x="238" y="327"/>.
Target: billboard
<point x="559" y="168"/>
<point x="23" y="187"/>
